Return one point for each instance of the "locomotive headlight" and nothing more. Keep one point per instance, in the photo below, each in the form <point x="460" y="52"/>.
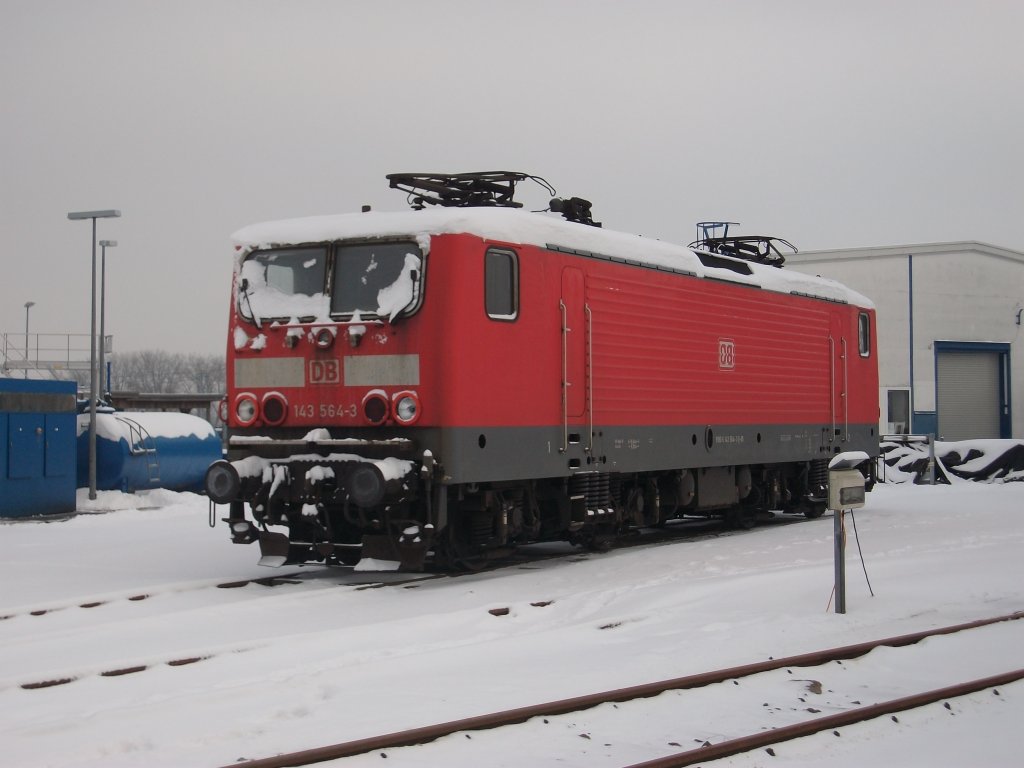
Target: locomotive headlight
<point x="407" y="407"/>
<point x="246" y="409"/>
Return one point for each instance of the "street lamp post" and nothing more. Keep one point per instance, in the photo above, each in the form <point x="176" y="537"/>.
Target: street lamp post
<point x="104" y="244"/>
<point x="28" y="306"/>
<point x="77" y="216"/>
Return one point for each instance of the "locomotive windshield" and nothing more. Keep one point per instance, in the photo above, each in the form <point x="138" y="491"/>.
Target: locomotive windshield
<point x="367" y="279"/>
<point x="381" y="279"/>
<point x="284" y="283"/>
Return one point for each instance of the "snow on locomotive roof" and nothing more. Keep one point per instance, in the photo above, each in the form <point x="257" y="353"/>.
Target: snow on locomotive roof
<point x="514" y="226"/>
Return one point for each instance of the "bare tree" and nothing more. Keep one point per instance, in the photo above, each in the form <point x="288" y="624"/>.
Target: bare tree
<point x="79" y="377"/>
<point x="156" y="371"/>
<point x="146" y="371"/>
<point x="204" y="373"/>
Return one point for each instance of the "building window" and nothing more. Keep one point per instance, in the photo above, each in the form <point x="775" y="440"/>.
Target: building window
<point x="501" y="284"/>
<point x="864" y="334"/>
<point x="898" y="414"/>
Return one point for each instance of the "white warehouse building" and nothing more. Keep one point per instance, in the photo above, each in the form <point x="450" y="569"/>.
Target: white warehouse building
<point x="950" y="344"/>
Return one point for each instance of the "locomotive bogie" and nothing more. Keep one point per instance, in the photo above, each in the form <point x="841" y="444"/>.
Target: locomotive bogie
<point x="504" y="381"/>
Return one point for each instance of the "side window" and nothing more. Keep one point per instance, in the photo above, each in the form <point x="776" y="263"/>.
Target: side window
<point x="501" y="284"/>
<point x="864" y="334"/>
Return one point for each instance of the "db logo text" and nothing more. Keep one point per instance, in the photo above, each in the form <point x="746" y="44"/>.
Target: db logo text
<point x="324" y="372"/>
<point x="726" y="354"/>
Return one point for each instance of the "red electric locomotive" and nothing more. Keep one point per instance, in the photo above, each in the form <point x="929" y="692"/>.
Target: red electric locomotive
<point x="456" y="379"/>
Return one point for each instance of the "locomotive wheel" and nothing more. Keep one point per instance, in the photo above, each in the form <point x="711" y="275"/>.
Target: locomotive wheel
<point x="807" y="508"/>
<point x="599" y="542"/>
<point x="347" y="556"/>
<point x="450" y="554"/>
<point x="741" y="518"/>
<point x="814" y="509"/>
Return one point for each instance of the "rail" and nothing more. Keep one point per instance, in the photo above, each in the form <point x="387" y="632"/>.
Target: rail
<point x="429" y="733"/>
<point x="816" y="725"/>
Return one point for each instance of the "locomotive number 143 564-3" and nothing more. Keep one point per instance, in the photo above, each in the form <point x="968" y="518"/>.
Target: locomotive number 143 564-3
<point x="325" y="411"/>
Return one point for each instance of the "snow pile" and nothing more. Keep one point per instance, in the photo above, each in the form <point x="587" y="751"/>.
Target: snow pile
<point x="986" y="461"/>
<point x="125" y="425"/>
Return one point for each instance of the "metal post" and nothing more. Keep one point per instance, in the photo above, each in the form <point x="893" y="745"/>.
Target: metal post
<point x="28" y="306"/>
<point x="103" y="298"/>
<point x="839" y="535"/>
<point x="92" y="373"/>
<point x="104" y="375"/>
<point x="910" y="337"/>
<point x="931" y="458"/>
<point x="92" y="346"/>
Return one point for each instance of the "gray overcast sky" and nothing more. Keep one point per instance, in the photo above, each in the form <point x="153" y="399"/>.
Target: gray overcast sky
<point x="832" y="124"/>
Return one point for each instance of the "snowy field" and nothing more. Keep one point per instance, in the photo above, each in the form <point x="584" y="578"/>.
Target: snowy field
<point x="328" y="659"/>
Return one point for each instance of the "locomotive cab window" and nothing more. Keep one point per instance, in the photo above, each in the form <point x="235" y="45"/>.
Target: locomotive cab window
<point x="376" y="279"/>
<point x="283" y="283"/>
<point x="864" y="334"/>
<point x="501" y="284"/>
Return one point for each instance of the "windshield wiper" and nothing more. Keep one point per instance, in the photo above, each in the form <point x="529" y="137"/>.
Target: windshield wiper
<point x="244" y="288"/>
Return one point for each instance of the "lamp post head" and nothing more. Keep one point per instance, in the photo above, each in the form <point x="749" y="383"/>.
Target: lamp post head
<point x="107" y="214"/>
<point x="29" y="304"/>
<point x="108" y="243"/>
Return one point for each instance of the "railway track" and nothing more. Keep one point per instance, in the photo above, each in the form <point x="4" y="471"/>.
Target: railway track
<point x="112" y="636"/>
<point x="63" y="625"/>
<point x="138" y="597"/>
<point x="765" y="739"/>
<point x="691" y="530"/>
<point x="678" y="531"/>
<point x="769" y="733"/>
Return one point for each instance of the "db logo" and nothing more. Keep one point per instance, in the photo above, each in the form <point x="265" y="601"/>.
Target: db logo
<point x="726" y="354"/>
<point x="324" y="372"/>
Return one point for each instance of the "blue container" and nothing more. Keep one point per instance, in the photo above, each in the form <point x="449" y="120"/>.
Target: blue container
<point x="37" y="447"/>
<point x="141" y="450"/>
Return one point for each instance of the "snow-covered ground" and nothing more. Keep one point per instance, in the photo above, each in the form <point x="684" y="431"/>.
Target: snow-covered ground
<point x="328" y="659"/>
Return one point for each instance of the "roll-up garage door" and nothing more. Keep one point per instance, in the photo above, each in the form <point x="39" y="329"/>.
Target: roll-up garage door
<point x="968" y="394"/>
